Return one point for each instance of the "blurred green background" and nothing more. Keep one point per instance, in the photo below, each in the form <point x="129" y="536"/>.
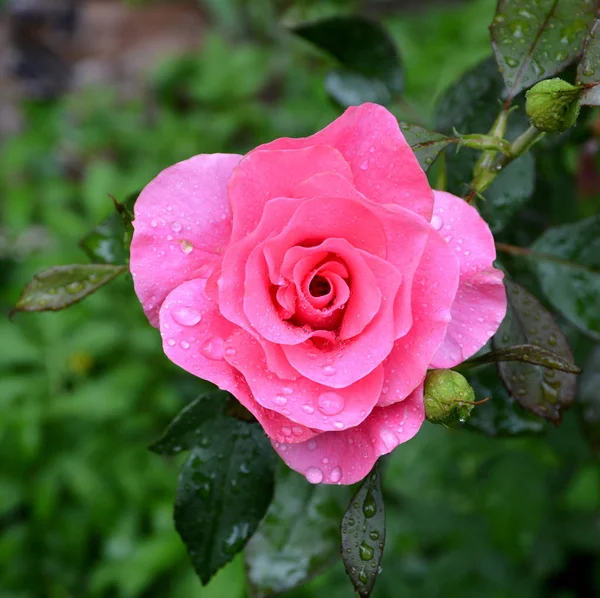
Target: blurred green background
<point x="85" y="509"/>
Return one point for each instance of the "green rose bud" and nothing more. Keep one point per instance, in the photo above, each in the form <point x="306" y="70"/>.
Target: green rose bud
<point x="449" y="398"/>
<point x="553" y="105"/>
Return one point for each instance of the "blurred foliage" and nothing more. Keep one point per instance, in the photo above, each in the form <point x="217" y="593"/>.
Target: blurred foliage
<point x="86" y="510"/>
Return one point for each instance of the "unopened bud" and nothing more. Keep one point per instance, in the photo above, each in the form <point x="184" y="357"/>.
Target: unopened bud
<point x="553" y="105"/>
<point x="449" y="398"/>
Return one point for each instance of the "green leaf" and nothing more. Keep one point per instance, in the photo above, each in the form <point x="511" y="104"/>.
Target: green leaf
<point x="62" y="286"/>
<point x="543" y="391"/>
<point x="571" y="277"/>
<point x="363" y="534"/>
<point x="188" y="427"/>
<point x="371" y="65"/>
<point x="528" y="354"/>
<point x="299" y="537"/>
<point x="500" y="416"/>
<point x="589" y="399"/>
<point x="471" y="106"/>
<point x="108" y="243"/>
<point x="224" y="490"/>
<point x="426" y="144"/>
<point x="588" y="72"/>
<point x="535" y="39"/>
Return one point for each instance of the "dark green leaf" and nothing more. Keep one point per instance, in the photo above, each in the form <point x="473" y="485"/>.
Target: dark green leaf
<point x="543" y="391"/>
<point x="588" y="396"/>
<point x="426" y="144"/>
<point x="529" y="354"/>
<point x="62" y="286"/>
<point x="372" y="68"/>
<point x="224" y="490"/>
<point x="471" y="106"/>
<point x="535" y="39"/>
<point x="588" y="71"/>
<point x="189" y="427"/>
<point x="108" y="243"/>
<point x="363" y="534"/>
<point x="501" y="415"/>
<point x="298" y="538"/>
<point x="572" y="280"/>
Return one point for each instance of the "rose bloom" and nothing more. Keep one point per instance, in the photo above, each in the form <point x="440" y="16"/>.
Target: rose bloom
<point x="317" y="280"/>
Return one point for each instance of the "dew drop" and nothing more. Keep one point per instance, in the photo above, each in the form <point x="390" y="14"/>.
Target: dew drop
<point x="436" y="222"/>
<point x="336" y="475"/>
<point x="286" y="390"/>
<point x="176" y="227"/>
<point x="286" y="431"/>
<point x="329" y="370"/>
<point x="297" y="430"/>
<point x="184" y="345"/>
<point x="338" y="425"/>
<point x="213" y="348"/>
<point x="364" y="165"/>
<point x="230" y="352"/>
<point x="388" y="438"/>
<point x="330" y="403"/>
<point x="366" y="552"/>
<point x="311" y="445"/>
<point x="279" y="400"/>
<point x="308" y="409"/>
<point x="314" y="475"/>
<point x="171" y="342"/>
<point x="186" y="316"/>
<point x="186" y="246"/>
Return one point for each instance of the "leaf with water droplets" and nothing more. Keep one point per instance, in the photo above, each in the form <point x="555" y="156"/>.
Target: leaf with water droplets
<point x="571" y="277"/>
<point x="363" y="534"/>
<point x="299" y="537"/>
<point x="533" y="354"/>
<point x="426" y="144"/>
<point x="588" y="70"/>
<point x="501" y="415"/>
<point x="371" y="67"/>
<point x="224" y="490"/>
<point x="535" y="39"/>
<point x="108" y="243"/>
<point x="190" y="426"/>
<point x="545" y="392"/>
<point x="62" y="286"/>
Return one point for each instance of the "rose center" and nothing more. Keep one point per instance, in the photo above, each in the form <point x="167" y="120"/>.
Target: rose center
<point x="319" y="286"/>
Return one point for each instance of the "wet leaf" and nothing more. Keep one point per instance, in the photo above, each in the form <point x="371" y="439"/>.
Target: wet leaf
<point x="426" y="144"/>
<point x="533" y="354"/>
<point x="572" y="282"/>
<point x="588" y="70"/>
<point x="471" y="106"/>
<point x="371" y="65"/>
<point x="299" y="536"/>
<point x="535" y="39"/>
<point x="108" y="243"/>
<point x="224" y="490"/>
<point x="500" y="416"/>
<point x="363" y="534"/>
<point x="189" y="426"/>
<point x="62" y="286"/>
<point x="543" y="391"/>
<point x="588" y="396"/>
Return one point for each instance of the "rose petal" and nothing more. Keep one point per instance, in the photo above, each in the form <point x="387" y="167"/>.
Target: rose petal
<point x="302" y="401"/>
<point x="348" y="456"/>
<point x="434" y="290"/>
<point x="340" y="364"/>
<point x="385" y="168"/>
<point x="480" y="304"/>
<point x="263" y="175"/>
<point x="182" y="223"/>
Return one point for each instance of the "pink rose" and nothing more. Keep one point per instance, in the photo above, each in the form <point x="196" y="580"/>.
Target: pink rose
<point x="317" y="280"/>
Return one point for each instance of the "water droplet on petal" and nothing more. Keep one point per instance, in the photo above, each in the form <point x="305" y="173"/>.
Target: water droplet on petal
<point x="364" y="165"/>
<point x="314" y="475"/>
<point x="388" y="438"/>
<point x="186" y="316"/>
<point x="279" y="400"/>
<point x="436" y="222"/>
<point x="336" y="475"/>
<point x="338" y="425"/>
<point x="230" y="352"/>
<point x="330" y="403"/>
<point x="176" y="227"/>
<point x="311" y="445"/>
<point x="186" y="246"/>
<point x="308" y="409"/>
<point x="297" y="430"/>
<point x="171" y="342"/>
<point x="213" y="348"/>
<point x="184" y="345"/>
<point x="329" y="370"/>
<point x="286" y="390"/>
<point x="286" y="431"/>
